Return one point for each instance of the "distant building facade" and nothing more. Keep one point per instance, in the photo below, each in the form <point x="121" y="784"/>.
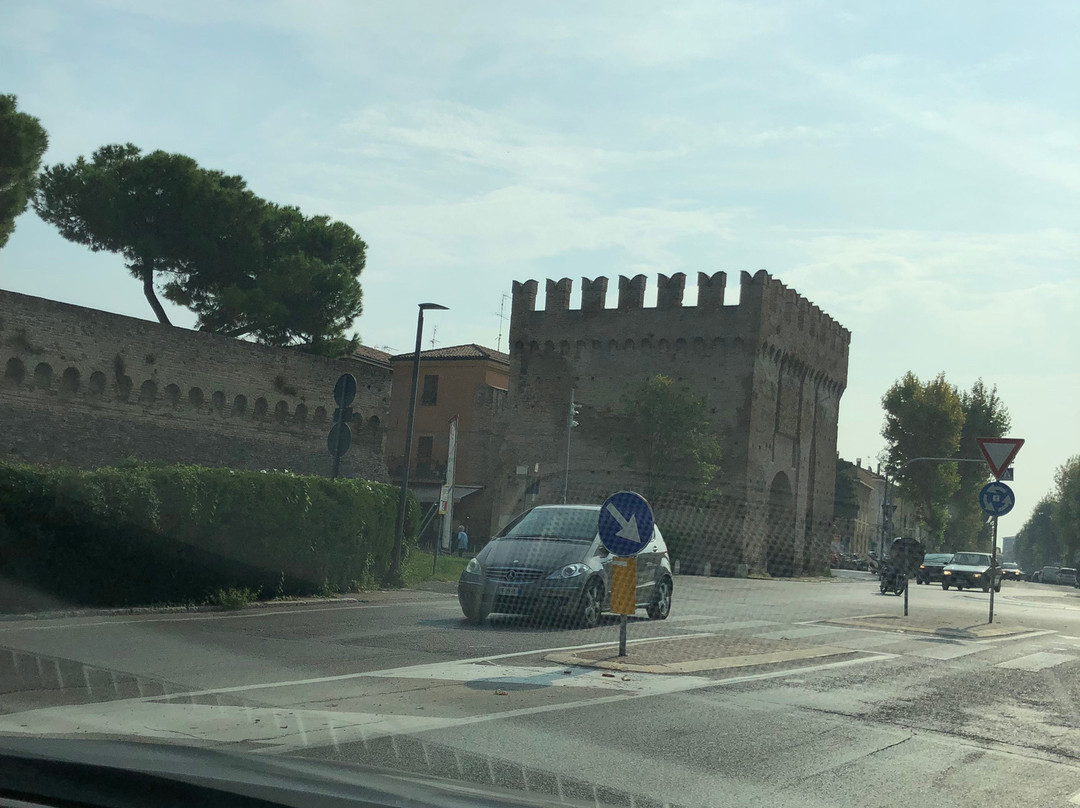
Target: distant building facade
<point x="863" y="533"/>
<point x="466" y="381"/>
<point x="87" y="388"/>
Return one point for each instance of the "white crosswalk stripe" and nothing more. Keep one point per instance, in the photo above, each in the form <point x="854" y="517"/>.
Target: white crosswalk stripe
<point x="1037" y="662"/>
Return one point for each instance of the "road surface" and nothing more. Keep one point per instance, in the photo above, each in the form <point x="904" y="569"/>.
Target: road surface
<point x="770" y="693"/>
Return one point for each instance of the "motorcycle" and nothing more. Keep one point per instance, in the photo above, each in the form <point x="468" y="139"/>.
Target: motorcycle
<point x="893" y="579"/>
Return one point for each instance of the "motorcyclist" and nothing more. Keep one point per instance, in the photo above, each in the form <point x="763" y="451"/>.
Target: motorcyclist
<point x="893" y="578"/>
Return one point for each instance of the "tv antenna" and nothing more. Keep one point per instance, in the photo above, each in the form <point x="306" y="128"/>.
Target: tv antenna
<point x="502" y="319"/>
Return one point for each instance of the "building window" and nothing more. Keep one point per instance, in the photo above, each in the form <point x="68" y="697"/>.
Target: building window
<point x="424" y="446"/>
<point x="430" y="396"/>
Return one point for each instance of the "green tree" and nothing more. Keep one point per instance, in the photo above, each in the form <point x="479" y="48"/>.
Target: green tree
<point x="1037" y="543"/>
<point x="22" y="143"/>
<point x="306" y="292"/>
<point x="924" y="420"/>
<point x="1066" y="507"/>
<point x="670" y="435"/>
<point x="163" y="213"/>
<point x="247" y="268"/>
<point x="985" y="416"/>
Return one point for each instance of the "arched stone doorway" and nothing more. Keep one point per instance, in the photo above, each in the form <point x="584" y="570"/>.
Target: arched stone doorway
<point x="780" y="553"/>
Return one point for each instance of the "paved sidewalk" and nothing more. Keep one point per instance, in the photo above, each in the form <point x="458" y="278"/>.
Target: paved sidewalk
<point x="935" y="625"/>
<point x="697" y="654"/>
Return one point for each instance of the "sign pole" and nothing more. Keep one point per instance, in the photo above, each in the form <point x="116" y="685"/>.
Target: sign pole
<point x="993" y="567"/>
<point x="337" y="456"/>
<point x="906" y="588"/>
<point x="625" y="527"/>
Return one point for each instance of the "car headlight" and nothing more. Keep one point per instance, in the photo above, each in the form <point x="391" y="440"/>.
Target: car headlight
<point x="977" y="575"/>
<point x="570" y="571"/>
<point x="922" y="566"/>
<point x="946" y="572"/>
<point x="473" y="567"/>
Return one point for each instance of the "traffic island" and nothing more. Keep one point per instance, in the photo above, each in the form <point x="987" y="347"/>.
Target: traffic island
<point x="931" y="626"/>
<point x="698" y="654"/>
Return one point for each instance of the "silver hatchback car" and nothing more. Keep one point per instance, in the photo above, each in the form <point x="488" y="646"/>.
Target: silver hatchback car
<point x="549" y="562"/>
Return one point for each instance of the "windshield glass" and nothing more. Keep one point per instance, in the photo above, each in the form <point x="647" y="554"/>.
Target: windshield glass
<point x="574" y="524"/>
<point x="330" y="329"/>
<point x="971" y="559"/>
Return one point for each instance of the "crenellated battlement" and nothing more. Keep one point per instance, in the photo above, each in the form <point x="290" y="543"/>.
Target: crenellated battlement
<point x="769" y="316"/>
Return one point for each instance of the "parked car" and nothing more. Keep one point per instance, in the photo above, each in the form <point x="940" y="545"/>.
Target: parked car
<point x="971" y="570"/>
<point x="1010" y="571"/>
<point x="1053" y="574"/>
<point x="549" y="561"/>
<point x="931" y="568"/>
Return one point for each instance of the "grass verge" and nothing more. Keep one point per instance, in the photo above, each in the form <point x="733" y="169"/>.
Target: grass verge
<point x="417" y="568"/>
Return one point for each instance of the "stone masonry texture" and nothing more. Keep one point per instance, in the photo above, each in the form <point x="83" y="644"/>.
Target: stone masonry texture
<point x="771" y="367"/>
<point x="86" y="388"/>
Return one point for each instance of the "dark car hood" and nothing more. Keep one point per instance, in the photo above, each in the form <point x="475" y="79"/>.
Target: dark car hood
<point x="545" y="554"/>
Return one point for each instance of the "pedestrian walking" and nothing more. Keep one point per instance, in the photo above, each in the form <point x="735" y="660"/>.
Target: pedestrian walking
<point x="462" y="540"/>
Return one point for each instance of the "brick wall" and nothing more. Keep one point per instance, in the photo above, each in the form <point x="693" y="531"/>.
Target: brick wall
<point x="86" y="388"/>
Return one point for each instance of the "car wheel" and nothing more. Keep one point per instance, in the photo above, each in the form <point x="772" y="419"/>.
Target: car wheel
<point x="592" y="604"/>
<point x="661" y="605"/>
<point x="986" y="589"/>
<point x="998" y="587"/>
<point x="959" y="588"/>
<point x="945" y="585"/>
<point x="477" y="613"/>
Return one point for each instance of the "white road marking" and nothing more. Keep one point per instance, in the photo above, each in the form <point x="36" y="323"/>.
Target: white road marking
<point x="798" y="633"/>
<point x="934" y="650"/>
<point x="863" y="641"/>
<point x="281" y="729"/>
<point x="1037" y="662"/>
<point x="271" y="612"/>
<point x="737" y="625"/>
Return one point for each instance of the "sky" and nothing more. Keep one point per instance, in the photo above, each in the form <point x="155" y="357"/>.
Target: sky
<point x="910" y="167"/>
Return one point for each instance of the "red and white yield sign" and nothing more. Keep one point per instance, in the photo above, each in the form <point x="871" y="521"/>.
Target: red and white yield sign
<point x="999" y="452"/>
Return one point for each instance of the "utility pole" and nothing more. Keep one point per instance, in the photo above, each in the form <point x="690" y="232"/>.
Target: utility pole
<point x="570" y="424"/>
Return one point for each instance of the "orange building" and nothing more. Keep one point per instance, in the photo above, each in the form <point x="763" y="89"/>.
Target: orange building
<point x="467" y="381"/>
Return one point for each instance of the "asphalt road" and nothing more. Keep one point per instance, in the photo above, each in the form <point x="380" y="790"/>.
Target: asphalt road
<point x="790" y="694"/>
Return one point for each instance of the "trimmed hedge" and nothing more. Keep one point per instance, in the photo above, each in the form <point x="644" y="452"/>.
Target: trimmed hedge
<point x="146" y="534"/>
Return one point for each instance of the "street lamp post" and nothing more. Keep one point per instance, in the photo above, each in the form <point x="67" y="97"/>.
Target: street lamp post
<point x="395" y="562"/>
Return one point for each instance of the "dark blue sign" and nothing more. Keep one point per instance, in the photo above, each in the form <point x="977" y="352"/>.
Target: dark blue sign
<point x="996" y="499"/>
<point x="626" y="523"/>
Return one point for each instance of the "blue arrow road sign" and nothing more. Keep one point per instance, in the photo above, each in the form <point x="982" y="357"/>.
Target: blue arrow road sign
<point x="996" y="499"/>
<point x="626" y="523"/>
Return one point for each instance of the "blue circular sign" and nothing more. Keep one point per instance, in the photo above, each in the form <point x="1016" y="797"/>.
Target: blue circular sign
<point x="996" y="499"/>
<point x="626" y="523"/>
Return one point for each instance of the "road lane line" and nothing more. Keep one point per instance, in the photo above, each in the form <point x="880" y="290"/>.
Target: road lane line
<point x="273" y="612"/>
<point x="398" y="671"/>
<point x="1037" y="662"/>
<point x="271" y="727"/>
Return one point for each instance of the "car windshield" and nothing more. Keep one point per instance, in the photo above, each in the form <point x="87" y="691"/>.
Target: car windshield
<point x="349" y="348"/>
<point x="1010" y="565"/>
<point x="572" y="524"/>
